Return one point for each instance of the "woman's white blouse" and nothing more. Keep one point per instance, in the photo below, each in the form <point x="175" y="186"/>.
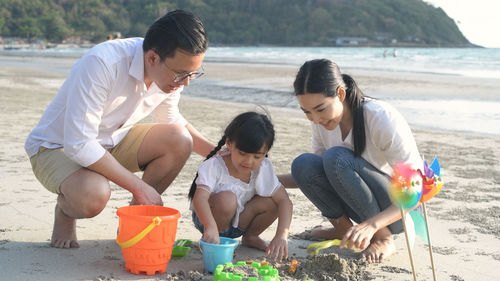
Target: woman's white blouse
<point x="214" y="174"/>
<point x="389" y="140"/>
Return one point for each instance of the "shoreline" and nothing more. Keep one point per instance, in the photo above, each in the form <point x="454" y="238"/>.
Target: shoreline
<point x="467" y="105"/>
<point x="433" y="102"/>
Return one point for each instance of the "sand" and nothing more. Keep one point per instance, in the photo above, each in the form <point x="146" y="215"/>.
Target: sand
<point x="464" y="218"/>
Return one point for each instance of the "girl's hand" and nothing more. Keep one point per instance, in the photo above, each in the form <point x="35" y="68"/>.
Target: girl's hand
<point x="359" y="236"/>
<point x="278" y="248"/>
<point x="211" y="235"/>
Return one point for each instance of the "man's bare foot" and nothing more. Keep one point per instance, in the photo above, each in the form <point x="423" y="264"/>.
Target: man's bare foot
<point x="254" y="242"/>
<point x="378" y="250"/>
<point x="64" y="232"/>
<point x="340" y="227"/>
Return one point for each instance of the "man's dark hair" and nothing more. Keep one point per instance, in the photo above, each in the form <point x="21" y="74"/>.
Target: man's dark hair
<point x="176" y="29"/>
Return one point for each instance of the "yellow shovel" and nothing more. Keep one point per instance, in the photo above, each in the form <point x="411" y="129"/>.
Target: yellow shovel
<point x="314" y="248"/>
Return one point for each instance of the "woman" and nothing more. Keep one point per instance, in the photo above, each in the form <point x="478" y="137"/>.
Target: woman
<point x="356" y="141"/>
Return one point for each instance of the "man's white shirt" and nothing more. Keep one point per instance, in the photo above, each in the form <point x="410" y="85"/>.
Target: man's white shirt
<point x="100" y="101"/>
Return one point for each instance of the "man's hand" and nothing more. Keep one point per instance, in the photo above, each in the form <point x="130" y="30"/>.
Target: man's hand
<point x="147" y="195"/>
<point x="143" y="193"/>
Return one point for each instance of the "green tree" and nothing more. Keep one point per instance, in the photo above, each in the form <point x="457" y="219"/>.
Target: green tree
<point x="281" y="22"/>
<point x="55" y="28"/>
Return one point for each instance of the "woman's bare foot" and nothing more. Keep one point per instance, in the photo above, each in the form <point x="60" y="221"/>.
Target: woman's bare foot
<point x="340" y="227"/>
<point x="320" y="232"/>
<point x="378" y="250"/>
<point x="254" y="242"/>
<point x="64" y="232"/>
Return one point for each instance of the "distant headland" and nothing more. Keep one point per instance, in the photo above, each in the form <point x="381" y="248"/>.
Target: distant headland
<point x="341" y="23"/>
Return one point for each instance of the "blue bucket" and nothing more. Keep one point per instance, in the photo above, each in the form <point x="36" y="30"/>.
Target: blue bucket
<point x="215" y="254"/>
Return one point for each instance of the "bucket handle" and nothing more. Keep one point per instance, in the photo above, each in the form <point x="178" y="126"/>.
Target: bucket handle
<point x="134" y="240"/>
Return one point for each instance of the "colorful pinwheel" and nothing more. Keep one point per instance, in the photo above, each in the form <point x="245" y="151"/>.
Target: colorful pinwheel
<point x="432" y="182"/>
<point x="408" y="188"/>
<point x="432" y="186"/>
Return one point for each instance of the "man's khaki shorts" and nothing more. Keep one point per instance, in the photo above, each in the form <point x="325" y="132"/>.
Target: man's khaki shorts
<point x="51" y="166"/>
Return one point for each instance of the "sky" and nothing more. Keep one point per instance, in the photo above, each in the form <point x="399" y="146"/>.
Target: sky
<point x="479" y="20"/>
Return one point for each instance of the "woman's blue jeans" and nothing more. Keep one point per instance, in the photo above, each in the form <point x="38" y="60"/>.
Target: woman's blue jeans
<point x="338" y="184"/>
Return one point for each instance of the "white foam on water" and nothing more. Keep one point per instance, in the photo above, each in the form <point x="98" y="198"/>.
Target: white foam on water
<point x="455" y="115"/>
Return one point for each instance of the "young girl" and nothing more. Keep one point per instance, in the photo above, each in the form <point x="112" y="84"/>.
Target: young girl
<point x="356" y="141"/>
<point x="237" y="193"/>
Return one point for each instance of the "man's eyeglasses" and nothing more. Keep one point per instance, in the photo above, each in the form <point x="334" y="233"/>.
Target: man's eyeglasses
<point x="183" y="76"/>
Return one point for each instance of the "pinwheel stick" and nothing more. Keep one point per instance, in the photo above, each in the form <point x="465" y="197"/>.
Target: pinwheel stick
<point x="408" y="245"/>
<point x="429" y="239"/>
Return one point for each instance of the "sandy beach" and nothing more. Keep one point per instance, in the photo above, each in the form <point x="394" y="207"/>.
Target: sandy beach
<point x="464" y="218"/>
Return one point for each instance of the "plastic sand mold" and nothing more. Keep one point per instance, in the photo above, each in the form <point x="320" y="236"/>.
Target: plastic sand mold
<point x="265" y="272"/>
<point x="181" y="248"/>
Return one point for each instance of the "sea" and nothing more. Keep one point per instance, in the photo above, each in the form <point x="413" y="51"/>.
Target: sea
<point x="460" y="114"/>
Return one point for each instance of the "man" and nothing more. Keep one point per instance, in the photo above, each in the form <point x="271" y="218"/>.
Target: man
<point x="88" y="135"/>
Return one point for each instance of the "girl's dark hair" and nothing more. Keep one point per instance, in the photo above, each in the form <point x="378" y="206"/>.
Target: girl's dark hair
<point x="323" y="76"/>
<point x="249" y="131"/>
<point x="176" y="29"/>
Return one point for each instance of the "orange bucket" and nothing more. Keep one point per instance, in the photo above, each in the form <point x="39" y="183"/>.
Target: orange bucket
<point x="146" y="235"/>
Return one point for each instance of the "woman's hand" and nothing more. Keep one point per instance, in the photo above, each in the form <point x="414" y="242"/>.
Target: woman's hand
<point x="359" y="236"/>
<point x="278" y="248"/>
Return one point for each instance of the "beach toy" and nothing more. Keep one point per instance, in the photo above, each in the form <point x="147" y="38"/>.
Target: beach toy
<point x="180" y="248"/>
<point x="215" y="254"/>
<point x="406" y="187"/>
<point x="405" y="191"/>
<point x="183" y="242"/>
<point x="432" y="184"/>
<point x="293" y="267"/>
<point x="314" y="248"/>
<point x="266" y="272"/>
<point x="146" y="235"/>
<point x="432" y="181"/>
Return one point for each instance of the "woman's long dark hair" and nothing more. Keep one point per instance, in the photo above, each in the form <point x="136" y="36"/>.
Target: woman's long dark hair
<point x="323" y="76"/>
<point x="249" y="131"/>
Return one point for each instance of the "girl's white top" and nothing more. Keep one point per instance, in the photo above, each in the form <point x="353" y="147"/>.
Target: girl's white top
<point x="214" y="174"/>
<point x="389" y="140"/>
